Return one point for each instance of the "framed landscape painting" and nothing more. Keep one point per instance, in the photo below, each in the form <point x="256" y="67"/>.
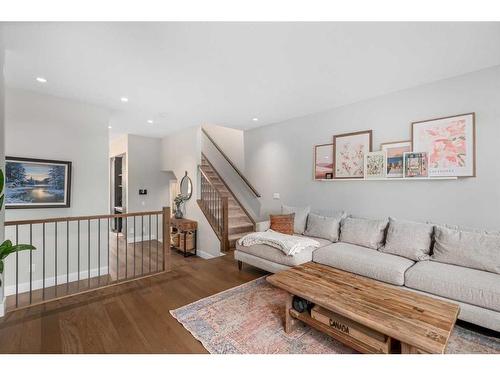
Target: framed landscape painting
<point x="375" y="164"/>
<point x="323" y="162"/>
<point x="395" y="151"/>
<point x="450" y="144"/>
<point x="37" y="183"/>
<point x="349" y="153"/>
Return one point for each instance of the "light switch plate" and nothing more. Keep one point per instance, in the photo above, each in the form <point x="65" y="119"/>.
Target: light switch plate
<point x="276" y="195"/>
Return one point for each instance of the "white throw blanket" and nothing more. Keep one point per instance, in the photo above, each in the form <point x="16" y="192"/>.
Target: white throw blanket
<point x="290" y="245"/>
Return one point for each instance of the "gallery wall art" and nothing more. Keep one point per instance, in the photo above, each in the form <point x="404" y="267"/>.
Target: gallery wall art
<point x="375" y="164"/>
<point x="323" y="162"/>
<point x="415" y="164"/>
<point x="37" y="183"/>
<point x="450" y="144"/>
<point x="349" y="153"/>
<point x="395" y="151"/>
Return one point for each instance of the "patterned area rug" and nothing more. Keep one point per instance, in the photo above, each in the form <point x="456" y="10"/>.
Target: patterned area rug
<point x="248" y="319"/>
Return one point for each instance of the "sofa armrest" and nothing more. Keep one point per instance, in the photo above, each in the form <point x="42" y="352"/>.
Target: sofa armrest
<point x="262" y="226"/>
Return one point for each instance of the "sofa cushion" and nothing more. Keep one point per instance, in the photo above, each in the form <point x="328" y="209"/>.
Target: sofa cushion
<point x="469" y="249"/>
<point x="301" y="214"/>
<point x="363" y="232"/>
<point x="323" y="227"/>
<point x="463" y="284"/>
<point x="363" y="261"/>
<point x="408" y="239"/>
<point x="282" y="223"/>
<point x="322" y="241"/>
<point x="277" y="256"/>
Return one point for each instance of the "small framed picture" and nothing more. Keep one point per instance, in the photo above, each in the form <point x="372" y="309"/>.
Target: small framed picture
<point x="415" y="164"/>
<point x="450" y="144"/>
<point x="323" y="161"/>
<point x="349" y="153"/>
<point x="395" y="152"/>
<point x="375" y="164"/>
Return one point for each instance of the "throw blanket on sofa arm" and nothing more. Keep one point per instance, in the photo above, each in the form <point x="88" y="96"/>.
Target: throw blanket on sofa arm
<point x="290" y="245"/>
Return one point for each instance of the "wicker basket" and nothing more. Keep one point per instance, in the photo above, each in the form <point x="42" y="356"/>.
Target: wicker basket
<point x="189" y="241"/>
<point x="175" y="238"/>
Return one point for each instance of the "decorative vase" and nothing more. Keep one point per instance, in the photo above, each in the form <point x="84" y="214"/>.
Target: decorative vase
<point x="178" y="213"/>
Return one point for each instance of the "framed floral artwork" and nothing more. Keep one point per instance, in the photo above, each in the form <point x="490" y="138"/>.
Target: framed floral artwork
<point x="415" y="164"/>
<point x="450" y="144"/>
<point x="323" y="161"/>
<point x="395" y="151"/>
<point x="375" y="164"/>
<point x="349" y="153"/>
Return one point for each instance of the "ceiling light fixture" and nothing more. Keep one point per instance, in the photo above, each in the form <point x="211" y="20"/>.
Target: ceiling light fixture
<point x="110" y="127"/>
<point x="41" y="80"/>
<point x="150" y="121"/>
<point x="124" y="99"/>
<point x="255" y="119"/>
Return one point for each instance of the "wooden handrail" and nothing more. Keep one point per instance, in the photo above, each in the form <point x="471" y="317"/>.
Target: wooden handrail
<point x="227" y="187"/>
<point x="245" y="180"/>
<point x="80" y="218"/>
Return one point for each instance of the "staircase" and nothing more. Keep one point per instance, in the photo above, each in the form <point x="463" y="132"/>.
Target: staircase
<point x="214" y="193"/>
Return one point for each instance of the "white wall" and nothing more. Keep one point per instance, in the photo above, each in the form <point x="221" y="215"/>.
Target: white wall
<point x="144" y="172"/>
<point x="46" y="127"/>
<point x="231" y="141"/>
<point x="181" y="152"/>
<point x="2" y="145"/>
<point x="279" y="158"/>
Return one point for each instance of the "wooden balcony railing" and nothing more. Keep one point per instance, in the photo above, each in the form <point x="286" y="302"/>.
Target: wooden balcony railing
<point x="79" y="254"/>
<point x="216" y="209"/>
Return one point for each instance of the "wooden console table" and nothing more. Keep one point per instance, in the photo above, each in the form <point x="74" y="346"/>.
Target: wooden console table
<point x="185" y="227"/>
<point x="390" y="319"/>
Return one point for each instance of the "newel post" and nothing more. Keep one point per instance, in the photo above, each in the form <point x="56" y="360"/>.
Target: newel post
<point x="166" y="239"/>
<point x="225" y="224"/>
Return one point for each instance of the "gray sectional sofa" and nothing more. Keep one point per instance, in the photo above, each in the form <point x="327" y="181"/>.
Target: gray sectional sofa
<point x="461" y="266"/>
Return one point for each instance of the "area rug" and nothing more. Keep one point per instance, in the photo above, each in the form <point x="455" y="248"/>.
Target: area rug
<point x="248" y="319"/>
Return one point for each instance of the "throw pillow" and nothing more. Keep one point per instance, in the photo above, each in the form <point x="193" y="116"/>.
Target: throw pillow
<point x="323" y="227"/>
<point x="282" y="223"/>
<point x="363" y="232"/>
<point x="408" y="239"/>
<point x="301" y="214"/>
<point x="468" y="249"/>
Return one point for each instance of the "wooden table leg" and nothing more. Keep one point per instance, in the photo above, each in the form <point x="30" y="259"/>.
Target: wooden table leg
<point x="409" y="349"/>
<point x="290" y="322"/>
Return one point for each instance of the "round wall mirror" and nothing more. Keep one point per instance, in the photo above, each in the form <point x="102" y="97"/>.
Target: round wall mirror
<point x="186" y="187"/>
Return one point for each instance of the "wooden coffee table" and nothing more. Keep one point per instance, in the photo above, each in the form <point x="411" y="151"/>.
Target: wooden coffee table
<point x="365" y="314"/>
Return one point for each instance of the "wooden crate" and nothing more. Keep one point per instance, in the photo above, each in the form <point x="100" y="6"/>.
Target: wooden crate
<point x="380" y="342"/>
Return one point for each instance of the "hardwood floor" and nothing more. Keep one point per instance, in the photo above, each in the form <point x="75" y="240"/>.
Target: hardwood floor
<point x="128" y="318"/>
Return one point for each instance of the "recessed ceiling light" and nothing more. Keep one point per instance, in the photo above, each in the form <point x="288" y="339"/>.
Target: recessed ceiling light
<point x="41" y="80"/>
<point x="124" y="99"/>
<point x="110" y="127"/>
<point x="255" y="119"/>
<point x="150" y="121"/>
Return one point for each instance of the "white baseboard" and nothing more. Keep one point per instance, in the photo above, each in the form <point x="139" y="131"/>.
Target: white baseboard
<point x="205" y="255"/>
<point x="50" y="281"/>
<point x="2" y="307"/>
<point x="132" y="239"/>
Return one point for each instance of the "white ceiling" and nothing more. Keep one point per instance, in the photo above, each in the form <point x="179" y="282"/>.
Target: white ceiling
<point x="186" y="74"/>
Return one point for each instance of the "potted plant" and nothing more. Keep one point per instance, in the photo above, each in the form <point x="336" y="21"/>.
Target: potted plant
<point x="179" y="200"/>
<point x="7" y="248"/>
